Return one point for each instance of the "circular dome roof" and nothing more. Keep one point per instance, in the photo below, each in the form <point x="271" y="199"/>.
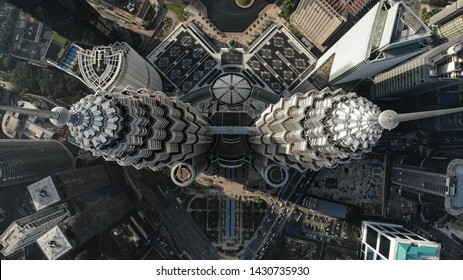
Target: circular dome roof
<point x="276" y="175"/>
<point x="231" y="89"/>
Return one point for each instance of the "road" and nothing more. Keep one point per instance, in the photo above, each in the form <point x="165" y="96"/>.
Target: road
<point x="186" y="234"/>
<point x="277" y="215"/>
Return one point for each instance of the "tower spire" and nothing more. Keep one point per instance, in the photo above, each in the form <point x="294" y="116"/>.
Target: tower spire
<point x="31" y="112"/>
<point x="390" y="119"/>
<point x="59" y="116"/>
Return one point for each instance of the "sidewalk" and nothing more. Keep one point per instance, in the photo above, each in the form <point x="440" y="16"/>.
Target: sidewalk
<point x="197" y="13"/>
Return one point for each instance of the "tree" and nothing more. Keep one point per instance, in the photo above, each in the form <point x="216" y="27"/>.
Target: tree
<point x="9" y="62"/>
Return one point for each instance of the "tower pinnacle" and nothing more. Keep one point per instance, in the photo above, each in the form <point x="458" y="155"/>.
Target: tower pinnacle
<point x="389" y="119"/>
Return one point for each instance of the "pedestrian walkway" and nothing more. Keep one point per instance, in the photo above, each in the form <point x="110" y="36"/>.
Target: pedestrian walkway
<point x="197" y="14"/>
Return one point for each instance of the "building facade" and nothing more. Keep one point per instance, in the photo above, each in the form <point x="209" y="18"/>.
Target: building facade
<point x="382" y="241"/>
<point x="381" y="44"/>
<point x="117" y="66"/>
<point x="435" y="69"/>
<point x="74" y="19"/>
<point x="143" y="129"/>
<point x="26" y="230"/>
<point x="316" y="20"/>
<point x="314" y="130"/>
<point x="29" y="160"/>
<point x="434" y="181"/>
<point x="67" y="185"/>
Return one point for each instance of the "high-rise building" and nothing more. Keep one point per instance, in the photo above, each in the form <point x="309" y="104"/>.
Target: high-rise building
<point x="29" y="160"/>
<point x="447" y="123"/>
<point x="312" y="131"/>
<point x="117" y="66"/>
<point x="306" y="131"/>
<point x="384" y="37"/>
<point x="26" y="230"/>
<point x="435" y="69"/>
<point x="75" y="231"/>
<point x="449" y="21"/>
<point x="63" y="186"/>
<point x="317" y="20"/>
<point x="452" y="29"/>
<point x="76" y="20"/>
<point x="54" y="243"/>
<point x="7" y="25"/>
<point x="382" y="241"/>
<point x="83" y="226"/>
<point x="62" y="53"/>
<point x="138" y="128"/>
<point x="430" y="181"/>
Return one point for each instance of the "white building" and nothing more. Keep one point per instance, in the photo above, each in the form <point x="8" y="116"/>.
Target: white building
<point x="433" y="70"/>
<point x="317" y="20"/>
<point x="384" y="37"/>
<point x="26" y="230"/>
<point x="54" y="243"/>
<point x="43" y="193"/>
<point x="117" y="65"/>
<point x="381" y="241"/>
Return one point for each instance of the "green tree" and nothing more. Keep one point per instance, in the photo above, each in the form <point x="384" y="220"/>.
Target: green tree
<point x="8" y="62"/>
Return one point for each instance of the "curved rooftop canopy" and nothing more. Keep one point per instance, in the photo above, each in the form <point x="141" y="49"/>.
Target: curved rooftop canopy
<point x="231" y="89"/>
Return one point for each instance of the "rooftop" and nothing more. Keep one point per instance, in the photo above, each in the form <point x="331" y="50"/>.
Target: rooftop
<point x="231" y="89"/>
<point x="408" y="251"/>
<point x="54" y="244"/>
<point x="279" y="59"/>
<point x="43" y="193"/>
<point x="381" y="35"/>
<point x="183" y="58"/>
<point x="275" y="62"/>
<point x="448" y="13"/>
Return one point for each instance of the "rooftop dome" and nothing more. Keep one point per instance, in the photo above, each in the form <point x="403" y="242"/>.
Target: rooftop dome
<point x="231" y="89"/>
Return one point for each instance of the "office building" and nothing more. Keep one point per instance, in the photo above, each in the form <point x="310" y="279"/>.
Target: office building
<point x="382" y="241"/>
<point x="62" y="53"/>
<point x="306" y="131"/>
<point x="24" y="161"/>
<point x="452" y="29"/>
<point x="299" y="132"/>
<point x="384" y="37"/>
<point x="138" y="128"/>
<point x="7" y="25"/>
<point x="26" y="230"/>
<point x="431" y="71"/>
<point x="139" y="12"/>
<point x="117" y="66"/>
<point x="76" y="20"/>
<point x="63" y="186"/>
<point x="447" y="123"/>
<point x="54" y="244"/>
<point x="317" y="20"/>
<point x="94" y="220"/>
<point x="449" y="21"/>
<point x="437" y="182"/>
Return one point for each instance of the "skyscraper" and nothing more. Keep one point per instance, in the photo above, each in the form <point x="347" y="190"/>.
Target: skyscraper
<point x="449" y="20"/>
<point x="381" y="241"/>
<point x="435" y="69"/>
<point x="142" y="129"/>
<point x="317" y="20"/>
<point x="315" y="130"/>
<point x="117" y="65"/>
<point x="307" y="131"/>
<point x="431" y="181"/>
<point x="26" y="230"/>
<point x="74" y="19"/>
<point x="63" y="186"/>
<point x="29" y="160"/>
<point x="381" y="42"/>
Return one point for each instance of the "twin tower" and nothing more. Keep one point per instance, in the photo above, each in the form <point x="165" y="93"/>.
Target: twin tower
<point x="148" y="129"/>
